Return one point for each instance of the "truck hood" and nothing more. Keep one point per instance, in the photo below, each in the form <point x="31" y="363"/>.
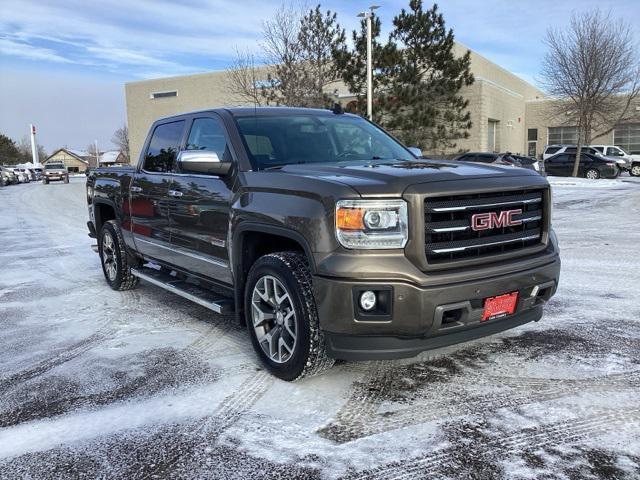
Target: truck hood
<point x="384" y="178"/>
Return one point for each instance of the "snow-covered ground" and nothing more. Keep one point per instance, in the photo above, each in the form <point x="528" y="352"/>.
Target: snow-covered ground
<point x="143" y="384"/>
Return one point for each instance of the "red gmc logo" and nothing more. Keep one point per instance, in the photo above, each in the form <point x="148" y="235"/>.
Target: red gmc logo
<point x="489" y="220"/>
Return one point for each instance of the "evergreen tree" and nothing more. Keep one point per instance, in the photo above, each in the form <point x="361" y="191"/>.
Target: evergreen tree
<point x="9" y="153"/>
<point x="352" y="65"/>
<point x="418" y="79"/>
<point x="320" y="35"/>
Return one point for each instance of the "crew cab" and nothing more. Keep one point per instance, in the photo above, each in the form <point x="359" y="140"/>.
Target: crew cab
<point x="324" y="235"/>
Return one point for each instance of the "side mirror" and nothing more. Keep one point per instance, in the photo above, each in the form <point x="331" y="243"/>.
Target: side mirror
<point x="416" y="151"/>
<point x="202" y="161"/>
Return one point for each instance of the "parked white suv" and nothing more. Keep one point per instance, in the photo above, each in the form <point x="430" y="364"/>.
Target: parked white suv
<point x="632" y="162"/>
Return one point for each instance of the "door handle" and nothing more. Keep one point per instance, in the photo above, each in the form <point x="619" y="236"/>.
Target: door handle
<point x="175" y="193"/>
<point x="135" y="189"/>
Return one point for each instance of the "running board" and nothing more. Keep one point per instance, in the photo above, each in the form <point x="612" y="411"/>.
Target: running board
<point x="195" y="293"/>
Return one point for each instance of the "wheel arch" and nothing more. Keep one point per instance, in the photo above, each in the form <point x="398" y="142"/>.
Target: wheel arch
<point x="103" y="211"/>
<point x="253" y="240"/>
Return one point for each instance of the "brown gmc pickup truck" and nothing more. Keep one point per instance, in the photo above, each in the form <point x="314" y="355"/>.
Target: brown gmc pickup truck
<point x="324" y="235"/>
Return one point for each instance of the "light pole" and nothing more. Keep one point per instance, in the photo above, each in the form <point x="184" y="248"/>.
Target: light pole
<point x="368" y="15"/>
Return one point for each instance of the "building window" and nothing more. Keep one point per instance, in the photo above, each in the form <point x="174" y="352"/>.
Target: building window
<point x="563" y="135"/>
<point x="532" y="134"/>
<point x="172" y="93"/>
<point x="627" y="136"/>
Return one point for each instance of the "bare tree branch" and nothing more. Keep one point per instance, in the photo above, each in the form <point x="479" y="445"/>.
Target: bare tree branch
<point x="592" y="69"/>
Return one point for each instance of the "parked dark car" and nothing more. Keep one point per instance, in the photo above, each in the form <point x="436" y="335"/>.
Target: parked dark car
<point x="591" y="166"/>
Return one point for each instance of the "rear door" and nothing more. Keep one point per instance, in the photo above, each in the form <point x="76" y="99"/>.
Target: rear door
<point x="148" y="206"/>
<point x="557" y="165"/>
<point x="199" y="205"/>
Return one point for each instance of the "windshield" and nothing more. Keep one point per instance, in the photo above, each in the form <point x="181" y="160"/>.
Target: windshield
<point x="54" y="166"/>
<point x="274" y="141"/>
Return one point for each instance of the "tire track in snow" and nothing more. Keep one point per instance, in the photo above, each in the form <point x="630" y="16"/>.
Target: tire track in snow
<point x="359" y="417"/>
<point x="66" y="355"/>
<point x="227" y="413"/>
<point x="526" y="439"/>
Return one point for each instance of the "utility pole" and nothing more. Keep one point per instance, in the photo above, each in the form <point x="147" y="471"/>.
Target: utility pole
<point x="34" y="146"/>
<point x="97" y="155"/>
<point x="368" y="15"/>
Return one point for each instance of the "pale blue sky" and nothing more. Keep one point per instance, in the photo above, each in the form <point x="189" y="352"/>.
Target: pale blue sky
<point x="63" y="64"/>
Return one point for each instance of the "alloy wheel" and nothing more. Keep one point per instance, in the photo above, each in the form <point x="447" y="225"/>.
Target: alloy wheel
<point x="635" y="170"/>
<point x="592" y="175"/>
<point x="109" y="256"/>
<point x="274" y="319"/>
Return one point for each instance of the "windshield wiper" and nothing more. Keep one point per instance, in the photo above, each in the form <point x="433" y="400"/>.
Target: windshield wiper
<point x="280" y="165"/>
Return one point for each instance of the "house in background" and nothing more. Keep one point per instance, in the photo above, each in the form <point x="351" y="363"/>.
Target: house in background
<point x="112" y="158"/>
<point x="76" y="161"/>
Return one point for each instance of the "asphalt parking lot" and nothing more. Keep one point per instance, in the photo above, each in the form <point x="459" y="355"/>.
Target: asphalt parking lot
<point x="142" y="384"/>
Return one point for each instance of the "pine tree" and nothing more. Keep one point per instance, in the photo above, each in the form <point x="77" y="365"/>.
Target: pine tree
<point x="320" y="35"/>
<point x="418" y="79"/>
<point x="352" y="64"/>
<point x="423" y="105"/>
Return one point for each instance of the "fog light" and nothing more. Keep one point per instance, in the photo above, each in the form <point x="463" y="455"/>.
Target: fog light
<point x="368" y="300"/>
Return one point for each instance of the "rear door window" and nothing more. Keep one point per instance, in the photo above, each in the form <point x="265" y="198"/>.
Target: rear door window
<point x="164" y="147"/>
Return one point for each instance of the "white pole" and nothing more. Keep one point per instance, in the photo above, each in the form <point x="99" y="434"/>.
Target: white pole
<point x="369" y="70"/>
<point x="34" y="146"/>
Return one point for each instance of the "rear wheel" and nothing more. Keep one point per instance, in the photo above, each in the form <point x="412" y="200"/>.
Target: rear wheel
<point x="114" y="259"/>
<point x="635" y="170"/>
<point x="282" y="317"/>
<point x="592" y="174"/>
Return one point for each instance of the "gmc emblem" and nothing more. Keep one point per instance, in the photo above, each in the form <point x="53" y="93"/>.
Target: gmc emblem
<point x="490" y="220"/>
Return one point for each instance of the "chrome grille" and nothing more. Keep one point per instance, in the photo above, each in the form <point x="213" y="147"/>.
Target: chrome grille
<point x="449" y="236"/>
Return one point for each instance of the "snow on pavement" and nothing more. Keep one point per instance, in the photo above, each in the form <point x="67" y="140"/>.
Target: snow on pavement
<point x="143" y="384"/>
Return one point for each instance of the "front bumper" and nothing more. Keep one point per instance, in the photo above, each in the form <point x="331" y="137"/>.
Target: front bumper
<point x="422" y="317"/>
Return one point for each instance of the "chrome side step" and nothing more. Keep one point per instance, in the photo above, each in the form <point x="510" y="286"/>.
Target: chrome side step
<point x="195" y="293"/>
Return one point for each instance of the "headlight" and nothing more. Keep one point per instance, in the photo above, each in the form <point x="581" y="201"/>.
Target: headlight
<point x="372" y="224"/>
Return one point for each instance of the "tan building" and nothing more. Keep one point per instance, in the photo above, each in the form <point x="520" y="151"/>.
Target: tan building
<point x="505" y="110"/>
<point x="546" y="127"/>
<point x="76" y="161"/>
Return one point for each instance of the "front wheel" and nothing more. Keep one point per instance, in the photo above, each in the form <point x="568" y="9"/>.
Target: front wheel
<point x="45" y="181"/>
<point x="282" y="317"/>
<point x="66" y="179"/>
<point x="113" y="256"/>
<point x="592" y="174"/>
<point x="635" y="170"/>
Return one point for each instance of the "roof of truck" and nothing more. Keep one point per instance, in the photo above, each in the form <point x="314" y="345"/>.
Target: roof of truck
<point x="262" y="111"/>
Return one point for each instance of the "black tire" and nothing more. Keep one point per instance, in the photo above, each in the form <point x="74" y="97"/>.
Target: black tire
<point x="635" y="170"/>
<point x="111" y="249"/>
<point x="309" y="353"/>
<point x="45" y="181"/>
<point x="66" y="179"/>
<point x="592" y="173"/>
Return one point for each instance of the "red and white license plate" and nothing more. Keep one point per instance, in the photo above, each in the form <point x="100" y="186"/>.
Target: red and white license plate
<point x="500" y="306"/>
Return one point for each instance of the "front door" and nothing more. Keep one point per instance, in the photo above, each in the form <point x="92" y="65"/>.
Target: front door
<point x="148" y="208"/>
<point x="558" y="165"/>
<point x="199" y="207"/>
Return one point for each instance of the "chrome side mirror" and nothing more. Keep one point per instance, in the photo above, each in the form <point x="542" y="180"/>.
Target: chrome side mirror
<point x="416" y="151"/>
<point x="202" y="161"/>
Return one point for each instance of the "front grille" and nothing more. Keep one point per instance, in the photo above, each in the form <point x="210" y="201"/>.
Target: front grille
<point x="449" y="236"/>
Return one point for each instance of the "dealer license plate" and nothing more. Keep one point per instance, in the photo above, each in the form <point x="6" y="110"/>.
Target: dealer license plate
<point x="500" y="306"/>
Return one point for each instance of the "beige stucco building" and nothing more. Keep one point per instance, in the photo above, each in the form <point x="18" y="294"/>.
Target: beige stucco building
<point x="75" y="161"/>
<point x="508" y="113"/>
